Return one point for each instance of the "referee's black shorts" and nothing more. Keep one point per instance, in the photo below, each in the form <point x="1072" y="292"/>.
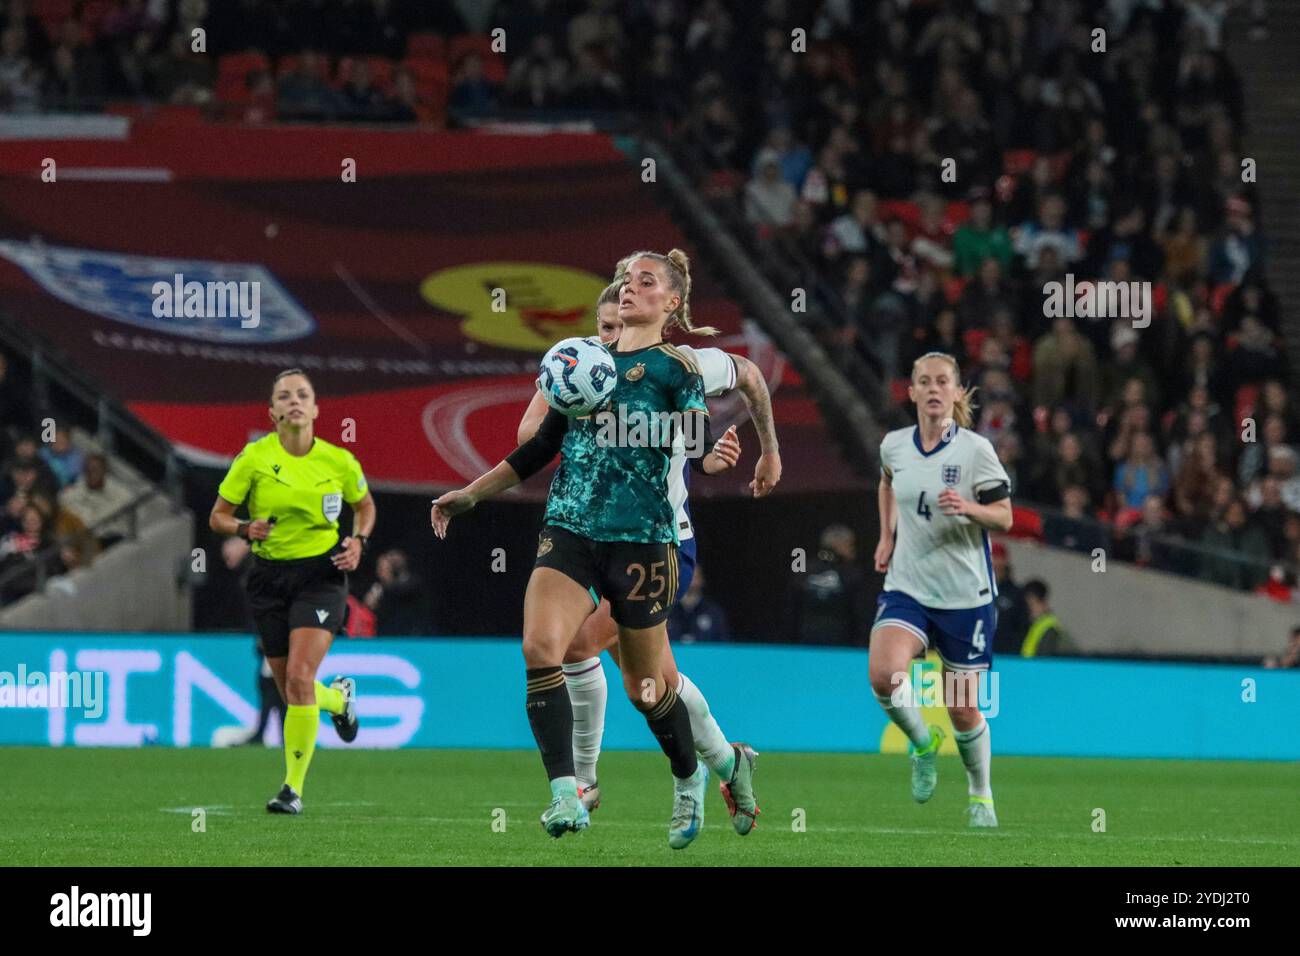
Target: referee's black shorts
<point x="306" y="592"/>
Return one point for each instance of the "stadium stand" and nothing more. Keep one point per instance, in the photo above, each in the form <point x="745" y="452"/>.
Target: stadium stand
<point x="826" y="162"/>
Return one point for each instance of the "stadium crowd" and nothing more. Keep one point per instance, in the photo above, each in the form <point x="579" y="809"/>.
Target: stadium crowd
<point x="55" y="497"/>
<point x="1173" y="445"/>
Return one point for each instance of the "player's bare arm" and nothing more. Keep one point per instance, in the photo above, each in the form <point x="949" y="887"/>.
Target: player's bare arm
<point x="994" y="516"/>
<point x="753" y="390"/>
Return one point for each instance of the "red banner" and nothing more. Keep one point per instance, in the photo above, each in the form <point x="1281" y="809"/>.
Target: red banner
<point x="416" y="276"/>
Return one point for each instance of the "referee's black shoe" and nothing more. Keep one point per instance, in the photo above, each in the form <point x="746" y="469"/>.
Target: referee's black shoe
<point x="346" y="723"/>
<point x="286" y="801"/>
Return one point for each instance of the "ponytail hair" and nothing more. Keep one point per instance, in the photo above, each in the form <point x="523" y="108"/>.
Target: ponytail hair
<point x="678" y="267"/>
<point x="963" y="407"/>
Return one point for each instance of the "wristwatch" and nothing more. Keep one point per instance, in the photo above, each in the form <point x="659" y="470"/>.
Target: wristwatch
<point x="241" y="530"/>
<point x="365" y="542"/>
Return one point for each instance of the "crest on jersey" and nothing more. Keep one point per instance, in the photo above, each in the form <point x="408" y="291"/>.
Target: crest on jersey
<point x="951" y="475"/>
<point x="544" y="546"/>
<point x="635" y="372"/>
<point x="332" y="506"/>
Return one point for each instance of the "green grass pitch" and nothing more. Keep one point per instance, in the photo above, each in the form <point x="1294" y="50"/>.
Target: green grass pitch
<point x="421" y="808"/>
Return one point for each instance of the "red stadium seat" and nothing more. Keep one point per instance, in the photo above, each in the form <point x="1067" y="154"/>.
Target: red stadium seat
<point x="431" y="80"/>
<point x="242" y="64"/>
<point x="55" y="11"/>
<point x="1017" y="162"/>
<point x="898" y="390"/>
<point x="954" y="287"/>
<point x="1247" y="400"/>
<point x="426" y="46"/>
<point x="908" y="213"/>
<point x="381" y="72"/>
<point x="1026" y="523"/>
<point x="93" y="13"/>
<point x="974" y="341"/>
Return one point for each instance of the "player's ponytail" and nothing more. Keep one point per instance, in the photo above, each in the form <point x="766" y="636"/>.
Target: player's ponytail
<point x="679" y="278"/>
<point x="963" y="407"/>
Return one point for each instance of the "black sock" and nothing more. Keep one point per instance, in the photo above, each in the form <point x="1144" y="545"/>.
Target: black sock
<point x="551" y="716"/>
<point x="670" y="722"/>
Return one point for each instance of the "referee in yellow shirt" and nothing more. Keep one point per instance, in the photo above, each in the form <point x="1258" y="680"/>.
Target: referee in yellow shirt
<point x="295" y="485"/>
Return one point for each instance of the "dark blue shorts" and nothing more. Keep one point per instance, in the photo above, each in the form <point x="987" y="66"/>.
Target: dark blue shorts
<point x="685" y="567"/>
<point x="963" y="637"/>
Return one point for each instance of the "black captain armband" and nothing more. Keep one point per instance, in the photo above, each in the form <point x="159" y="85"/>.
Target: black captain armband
<point x="536" y="453"/>
<point x="996" y="493"/>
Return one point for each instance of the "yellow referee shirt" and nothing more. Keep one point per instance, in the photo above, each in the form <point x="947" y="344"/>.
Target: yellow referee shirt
<point x="304" y="494"/>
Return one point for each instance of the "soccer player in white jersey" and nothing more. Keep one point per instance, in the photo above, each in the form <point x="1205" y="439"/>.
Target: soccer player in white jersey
<point x="942" y="490"/>
<point x="584" y="676"/>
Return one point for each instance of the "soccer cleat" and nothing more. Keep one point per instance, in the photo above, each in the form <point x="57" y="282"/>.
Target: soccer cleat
<point x="738" y="792"/>
<point x="688" y="808"/>
<point x="981" y="812"/>
<point x="590" y="796"/>
<point x="286" y="801"/>
<point x="346" y="723"/>
<point x="566" y="813"/>
<point x="925" y="767"/>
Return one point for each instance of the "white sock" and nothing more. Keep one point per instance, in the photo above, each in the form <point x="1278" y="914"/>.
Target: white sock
<point x="907" y="717"/>
<point x="977" y="755"/>
<point x="710" y="742"/>
<point x="587" y="693"/>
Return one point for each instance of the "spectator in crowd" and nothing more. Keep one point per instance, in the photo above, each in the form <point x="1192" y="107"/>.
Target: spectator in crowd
<point x="399" y="599"/>
<point x="1289" y="657"/>
<point x="304" y="92"/>
<point x="26" y="472"/>
<point x="1073" y="528"/>
<point x="769" y="198"/>
<point x="63" y="459"/>
<point x="1013" y="613"/>
<point x="1141" y="474"/>
<point x="471" y="92"/>
<point x="1237" y="552"/>
<point x="1045" y="637"/>
<point x="980" y="239"/>
<point x="361" y="621"/>
<point x="698" y="617"/>
<point x="829" y="602"/>
<point x="25" y="554"/>
<point x="97" y="495"/>
<point x="1065" y="368"/>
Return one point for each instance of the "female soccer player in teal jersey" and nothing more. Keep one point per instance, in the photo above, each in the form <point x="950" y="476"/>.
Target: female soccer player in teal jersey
<point x="732" y="764"/>
<point x="610" y="529"/>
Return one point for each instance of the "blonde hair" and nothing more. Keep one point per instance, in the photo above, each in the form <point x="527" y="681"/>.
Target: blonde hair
<point x="610" y="294"/>
<point x="963" y="409"/>
<point x="679" y="278"/>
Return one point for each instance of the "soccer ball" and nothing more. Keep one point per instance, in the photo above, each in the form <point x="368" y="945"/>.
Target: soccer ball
<point x="577" y="376"/>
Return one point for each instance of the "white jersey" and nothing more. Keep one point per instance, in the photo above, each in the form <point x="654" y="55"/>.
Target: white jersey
<point x="719" y="374"/>
<point x="941" y="561"/>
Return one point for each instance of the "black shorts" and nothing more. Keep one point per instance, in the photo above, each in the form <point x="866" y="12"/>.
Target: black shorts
<point x="640" y="580"/>
<point x="283" y="595"/>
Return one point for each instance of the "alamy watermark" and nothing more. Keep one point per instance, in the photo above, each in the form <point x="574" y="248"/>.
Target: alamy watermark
<point x="928" y="687"/>
<point x="635" y="428"/>
<point x="1098" y="300"/>
<point x="208" y="300"/>
<point x="66" y="690"/>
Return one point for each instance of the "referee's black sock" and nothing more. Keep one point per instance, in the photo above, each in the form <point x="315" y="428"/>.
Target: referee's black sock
<point x="551" y="715"/>
<point x="670" y="722"/>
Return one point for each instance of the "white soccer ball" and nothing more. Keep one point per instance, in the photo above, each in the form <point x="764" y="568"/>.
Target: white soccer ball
<point x="577" y="376"/>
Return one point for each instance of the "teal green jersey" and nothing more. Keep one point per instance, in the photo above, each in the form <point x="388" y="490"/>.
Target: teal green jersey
<point x="612" y="481"/>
